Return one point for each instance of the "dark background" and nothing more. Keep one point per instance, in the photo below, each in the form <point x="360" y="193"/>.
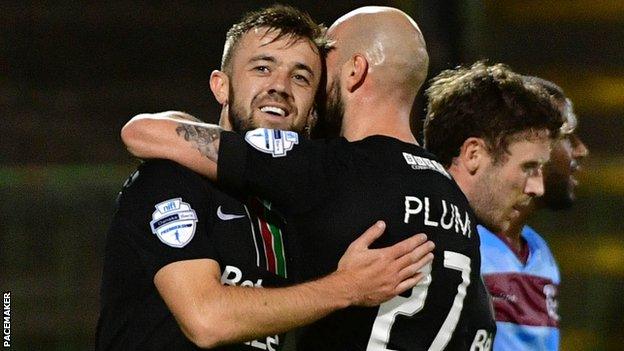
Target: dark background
<point x="73" y="72"/>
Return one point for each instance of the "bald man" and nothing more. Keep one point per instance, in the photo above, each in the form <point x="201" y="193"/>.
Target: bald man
<point x="329" y="190"/>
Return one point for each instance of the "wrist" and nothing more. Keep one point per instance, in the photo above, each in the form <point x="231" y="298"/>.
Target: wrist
<point x="340" y="289"/>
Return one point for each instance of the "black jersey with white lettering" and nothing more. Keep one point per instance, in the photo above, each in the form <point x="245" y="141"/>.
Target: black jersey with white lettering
<point x="330" y="192"/>
<point x="167" y="213"/>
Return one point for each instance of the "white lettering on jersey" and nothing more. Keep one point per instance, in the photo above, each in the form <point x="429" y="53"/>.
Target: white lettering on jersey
<point x="482" y="341"/>
<point x="272" y="141"/>
<point x="271" y="343"/>
<point x="233" y="276"/>
<point x="419" y="163"/>
<point x="409" y="306"/>
<point x="550" y="292"/>
<point x="174" y="222"/>
<point x="451" y="219"/>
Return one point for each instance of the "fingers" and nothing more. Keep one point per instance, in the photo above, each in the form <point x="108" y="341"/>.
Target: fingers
<point x="411" y="282"/>
<point x="413" y="274"/>
<point x="422" y="265"/>
<point x="415" y="255"/>
<point x="406" y="246"/>
<point x="370" y="235"/>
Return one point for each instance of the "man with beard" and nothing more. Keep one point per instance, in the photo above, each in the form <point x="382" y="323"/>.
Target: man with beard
<point x="184" y="261"/>
<point x="518" y="267"/>
<point x="329" y="188"/>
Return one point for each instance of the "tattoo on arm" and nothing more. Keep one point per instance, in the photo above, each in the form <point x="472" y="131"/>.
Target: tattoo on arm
<point x="204" y="139"/>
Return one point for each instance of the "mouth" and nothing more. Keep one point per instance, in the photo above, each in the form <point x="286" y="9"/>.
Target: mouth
<point x="517" y="209"/>
<point x="275" y="110"/>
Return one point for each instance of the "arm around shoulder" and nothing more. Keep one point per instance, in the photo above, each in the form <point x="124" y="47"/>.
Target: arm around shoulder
<point x="176" y="136"/>
<point x="211" y="314"/>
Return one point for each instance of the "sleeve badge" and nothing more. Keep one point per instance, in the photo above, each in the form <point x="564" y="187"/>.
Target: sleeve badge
<point x="272" y="141"/>
<point x="174" y="222"/>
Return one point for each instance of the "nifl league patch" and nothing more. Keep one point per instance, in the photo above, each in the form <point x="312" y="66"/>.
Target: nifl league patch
<point x="174" y="222"/>
<point x="272" y="141"/>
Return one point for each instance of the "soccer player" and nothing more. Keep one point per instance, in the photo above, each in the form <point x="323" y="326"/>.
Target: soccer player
<point x="184" y="261"/>
<point x="329" y="188"/>
<point x="489" y="129"/>
<point x="518" y="267"/>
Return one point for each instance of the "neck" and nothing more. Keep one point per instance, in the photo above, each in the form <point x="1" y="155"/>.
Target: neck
<point x="224" y="121"/>
<point x="378" y="115"/>
<point x="515" y="228"/>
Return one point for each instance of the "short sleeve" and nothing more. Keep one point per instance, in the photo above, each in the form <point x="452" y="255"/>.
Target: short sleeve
<point x="278" y="166"/>
<point x="163" y="212"/>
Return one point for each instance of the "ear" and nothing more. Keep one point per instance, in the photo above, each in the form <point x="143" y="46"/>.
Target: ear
<point x="220" y="86"/>
<point x="473" y="154"/>
<point x="356" y="70"/>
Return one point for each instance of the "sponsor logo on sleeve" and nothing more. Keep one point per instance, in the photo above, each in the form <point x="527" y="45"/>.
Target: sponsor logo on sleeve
<point x="174" y="222"/>
<point x="421" y="163"/>
<point x="272" y="141"/>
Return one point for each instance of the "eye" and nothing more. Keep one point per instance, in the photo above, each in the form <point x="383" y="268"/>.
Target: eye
<point x="301" y="79"/>
<point x="262" y="69"/>
<point x="532" y="169"/>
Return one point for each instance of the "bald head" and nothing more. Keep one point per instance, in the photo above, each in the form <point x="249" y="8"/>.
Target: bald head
<point x="391" y="42"/>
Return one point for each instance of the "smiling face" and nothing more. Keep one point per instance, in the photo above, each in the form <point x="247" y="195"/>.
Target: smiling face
<point x="272" y="82"/>
<point x="504" y="188"/>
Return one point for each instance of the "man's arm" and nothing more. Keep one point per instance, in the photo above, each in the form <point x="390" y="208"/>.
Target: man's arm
<point x="176" y="136"/>
<point x="211" y="314"/>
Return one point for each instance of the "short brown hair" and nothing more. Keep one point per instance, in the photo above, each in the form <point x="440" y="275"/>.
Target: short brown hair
<point x="286" y="20"/>
<point x="489" y="102"/>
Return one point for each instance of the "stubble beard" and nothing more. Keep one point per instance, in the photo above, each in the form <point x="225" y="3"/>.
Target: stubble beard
<point x="559" y="192"/>
<point x="487" y="210"/>
<point x="330" y="118"/>
<point x="243" y="122"/>
<point x="239" y="120"/>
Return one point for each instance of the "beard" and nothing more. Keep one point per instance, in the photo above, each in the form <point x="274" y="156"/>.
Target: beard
<point x="559" y="192"/>
<point x="242" y="121"/>
<point x="487" y="204"/>
<point x="239" y="120"/>
<point x="331" y="112"/>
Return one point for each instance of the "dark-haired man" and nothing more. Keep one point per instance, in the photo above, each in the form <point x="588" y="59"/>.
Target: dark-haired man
<point x="493" y="131"/>
<point x="519" y="269"/>
<point x="184" y="261"/>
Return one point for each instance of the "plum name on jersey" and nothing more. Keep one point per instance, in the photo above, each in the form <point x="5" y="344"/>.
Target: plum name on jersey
<point x="449" y="218"/>
<point x="233" y="276"/>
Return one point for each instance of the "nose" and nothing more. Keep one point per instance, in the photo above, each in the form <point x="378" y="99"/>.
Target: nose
<point x="579" y="149"/>
<point x="534" y="186"/>
<point x="280" y="84"/>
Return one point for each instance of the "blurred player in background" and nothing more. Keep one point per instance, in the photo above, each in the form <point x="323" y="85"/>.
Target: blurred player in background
<point x="517" y="265"/>
<point x="493" y="133"/>
<point x="184" y="261"/>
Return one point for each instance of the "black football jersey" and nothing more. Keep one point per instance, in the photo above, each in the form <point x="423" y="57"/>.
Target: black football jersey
<point x="330" y="192"/>
<point x="167" y="213"/>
